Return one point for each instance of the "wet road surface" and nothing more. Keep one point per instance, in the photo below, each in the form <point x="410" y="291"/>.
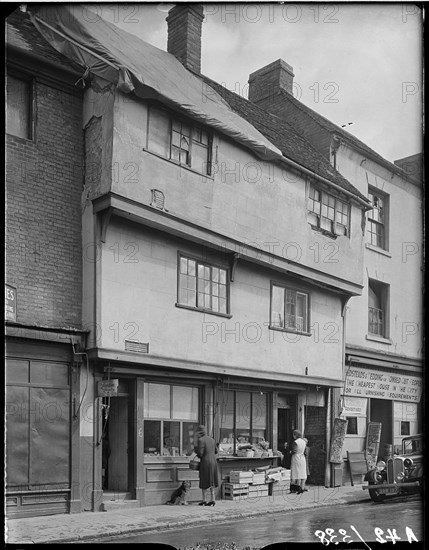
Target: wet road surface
<point x="332" y="524"/>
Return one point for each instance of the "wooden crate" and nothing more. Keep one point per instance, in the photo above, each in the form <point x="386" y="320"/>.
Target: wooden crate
<point x="256" y="491"/>
<point x="240" y="477"/>
<point x="258" y="479"/>
<point x="235" y="491"/>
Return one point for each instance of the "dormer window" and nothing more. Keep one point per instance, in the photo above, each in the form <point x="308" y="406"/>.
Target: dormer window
<point x="179" y="140"/>
<point x="327" y="213"/>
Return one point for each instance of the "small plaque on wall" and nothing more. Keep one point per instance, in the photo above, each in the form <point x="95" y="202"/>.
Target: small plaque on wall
<point x="108" y="388"/>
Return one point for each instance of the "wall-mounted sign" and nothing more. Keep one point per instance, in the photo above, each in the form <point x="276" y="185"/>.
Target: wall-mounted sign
<point x="108" y="388"/>
<point x="10" y="303"/>
<point x="383" y="385"/>
<point x="355" y="406"/>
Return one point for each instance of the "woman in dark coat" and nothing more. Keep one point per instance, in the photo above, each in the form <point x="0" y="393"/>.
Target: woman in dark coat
<point x="209" y="479"/>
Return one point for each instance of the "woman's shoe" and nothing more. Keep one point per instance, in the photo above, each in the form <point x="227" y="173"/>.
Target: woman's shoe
<point x="211" y="503"/>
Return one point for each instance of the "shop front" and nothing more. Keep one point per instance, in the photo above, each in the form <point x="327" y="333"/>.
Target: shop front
<point x="146" y="428"/>
<point x="385" y="396"/>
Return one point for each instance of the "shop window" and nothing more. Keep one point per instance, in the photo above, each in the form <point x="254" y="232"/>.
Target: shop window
<point x="243" y="421"/>
<point x="289" y="309"/>
<point x="179" y="140"/>
<point x="377" y="308"/>
<point x="327" y="213"/>
<point x="352" y="426"/>
<point x="19" y="107"/>
<point x="202" y="286"/>
<point x="405" y="428"/>
<point x="170" y="417"/>
<point x="377" y="219"/>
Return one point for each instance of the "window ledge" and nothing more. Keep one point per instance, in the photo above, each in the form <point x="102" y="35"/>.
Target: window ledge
<point x="209" y="311"/>
<point x="325" y="232"/>
<point x="185" y="166"/>
<point x="377" y="249"/>
<point x="291" y="331"/>
<point x="375" y="338"/>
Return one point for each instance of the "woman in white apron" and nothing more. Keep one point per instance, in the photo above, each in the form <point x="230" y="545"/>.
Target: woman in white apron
<point x="298" y="466"/>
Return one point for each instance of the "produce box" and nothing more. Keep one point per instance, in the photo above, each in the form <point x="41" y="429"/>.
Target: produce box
<point x="240" y="477"/>
<point x="256" y="491"/>
<point x="258" y="479"/>
<point x="235" y="491"/>
<point x="285" y="474"/>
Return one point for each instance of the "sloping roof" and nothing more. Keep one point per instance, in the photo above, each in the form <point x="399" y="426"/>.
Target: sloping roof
<point x="113" y="55"/>
<point x="293" y="145"/>
<point x="300" y="114"/>
<point x="22" y="35"/>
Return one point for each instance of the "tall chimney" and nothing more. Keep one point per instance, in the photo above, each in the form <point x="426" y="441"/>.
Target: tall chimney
<point x="184" y="34"/>
<point x="265" y="83"/>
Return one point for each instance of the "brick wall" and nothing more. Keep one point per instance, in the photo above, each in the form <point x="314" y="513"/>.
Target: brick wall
<point x="43" y="213"/>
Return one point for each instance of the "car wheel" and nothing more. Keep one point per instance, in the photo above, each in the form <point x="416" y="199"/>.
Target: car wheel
<point x="376" y="495"/>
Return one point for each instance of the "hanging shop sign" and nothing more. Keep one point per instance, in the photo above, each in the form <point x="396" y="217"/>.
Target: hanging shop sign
<point x="383" y="385"/>
<point x="10" y="303"/>
<point x="108" y="388"/>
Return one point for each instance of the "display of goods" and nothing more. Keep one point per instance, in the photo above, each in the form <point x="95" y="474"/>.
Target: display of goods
<point x="246" y="453"/>
<point x="257" y="454"/>
<point x="274" y="477"/>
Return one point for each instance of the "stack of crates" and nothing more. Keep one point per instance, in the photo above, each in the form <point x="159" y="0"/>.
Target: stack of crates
<point x="240" y="477"/>
<point x="235" y="491"/>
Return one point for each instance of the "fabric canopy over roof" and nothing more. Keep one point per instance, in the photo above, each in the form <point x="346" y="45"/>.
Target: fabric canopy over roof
<point x="111" y="55"/>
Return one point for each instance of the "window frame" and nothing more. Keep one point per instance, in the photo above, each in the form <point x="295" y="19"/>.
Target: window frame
<point x="26" y="77"/>
<point x="337" y="211"/>
<point x="163" y="420"/>
<point x="381" y="290"/>
<point x="374" y="195"/>
<point x="250" y="415"/>
<point x="297" y="290"/>
<point x="173" y="119"/>
<point x="211" y="265"/>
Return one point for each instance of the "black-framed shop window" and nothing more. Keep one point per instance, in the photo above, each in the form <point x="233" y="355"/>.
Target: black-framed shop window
<point x="171" y="414"/>
<point x="243" y="419"/>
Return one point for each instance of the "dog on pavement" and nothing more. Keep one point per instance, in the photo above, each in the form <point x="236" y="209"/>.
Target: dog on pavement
<point x="181" y="494"/>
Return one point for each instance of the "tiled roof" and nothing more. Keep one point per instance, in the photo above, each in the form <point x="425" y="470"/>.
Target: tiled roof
<point x="300" y="114"/>
<point x="21" y="34"/>
<point x="293" y="145"/>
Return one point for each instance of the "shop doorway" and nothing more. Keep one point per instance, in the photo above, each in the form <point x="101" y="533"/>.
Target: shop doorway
<point x="381" y="410"/>
<point x="286" y="423"/>
<point x="115" y="447"/>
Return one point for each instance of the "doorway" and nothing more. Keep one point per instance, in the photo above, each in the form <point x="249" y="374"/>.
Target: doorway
<point x="286" y="423"/>
<point x="115" y="447"/>
<point x="381" y="410"/>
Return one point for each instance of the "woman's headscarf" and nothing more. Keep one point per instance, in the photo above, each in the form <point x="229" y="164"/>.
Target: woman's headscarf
<point x="201" y="430"/>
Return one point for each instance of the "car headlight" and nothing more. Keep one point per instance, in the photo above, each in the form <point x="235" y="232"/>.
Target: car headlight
<point x="400" y="476"/>
<point x="408" y="462"/>
<point x="381" y="465"/>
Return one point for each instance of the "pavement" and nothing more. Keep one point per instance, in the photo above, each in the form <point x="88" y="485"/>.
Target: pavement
<point x="88" y="526"/>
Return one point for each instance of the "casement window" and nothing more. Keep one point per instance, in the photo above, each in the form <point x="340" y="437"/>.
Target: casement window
<point x="377" y="219"/>
<point x="19" y="107"/>
<point x="179" y="140"/>
<point x="327" y="212"/>
<point x="243" y="419"/>
<point x="377" y="308"/>
<point x="170" y="418"/>
<point x="289" y="309"/>
<point x="202" y="286"/>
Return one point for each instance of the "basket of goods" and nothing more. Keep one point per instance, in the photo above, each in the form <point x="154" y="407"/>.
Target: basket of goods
<point x="194" y="462"/>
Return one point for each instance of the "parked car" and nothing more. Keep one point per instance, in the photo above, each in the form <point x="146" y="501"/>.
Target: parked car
<point x="399" y="475"/>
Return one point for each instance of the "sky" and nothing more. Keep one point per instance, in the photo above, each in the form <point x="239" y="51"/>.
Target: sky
<point x="359" y="65"/>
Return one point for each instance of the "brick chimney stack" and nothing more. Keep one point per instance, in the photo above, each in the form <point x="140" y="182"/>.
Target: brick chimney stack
<point x="265" y="83"/>
<point x="184" y="34"/>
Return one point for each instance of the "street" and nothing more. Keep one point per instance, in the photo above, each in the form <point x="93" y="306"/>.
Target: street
<point x="399" y="519"/>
